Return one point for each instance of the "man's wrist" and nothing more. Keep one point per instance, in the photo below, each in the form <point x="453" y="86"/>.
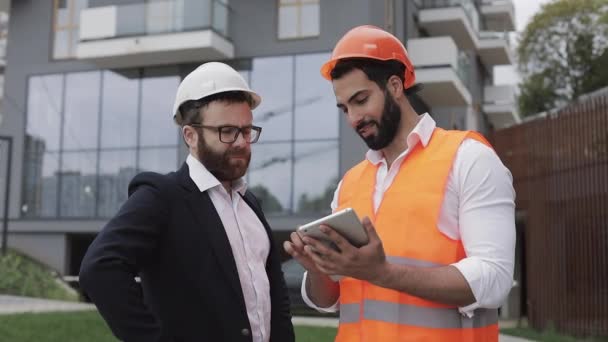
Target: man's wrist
<point x="382" y="274"/>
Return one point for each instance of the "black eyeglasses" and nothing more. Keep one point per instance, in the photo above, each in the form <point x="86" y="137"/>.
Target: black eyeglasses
<point x="229" y="134"/>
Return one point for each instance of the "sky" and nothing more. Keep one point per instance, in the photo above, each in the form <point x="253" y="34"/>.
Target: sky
<point x="524" y="11"/>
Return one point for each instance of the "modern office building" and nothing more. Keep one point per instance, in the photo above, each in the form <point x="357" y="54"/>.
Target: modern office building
<point x="90" y="84"/>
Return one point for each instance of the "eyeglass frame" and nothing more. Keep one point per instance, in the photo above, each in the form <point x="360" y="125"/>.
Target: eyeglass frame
<point x="239" y="130"/>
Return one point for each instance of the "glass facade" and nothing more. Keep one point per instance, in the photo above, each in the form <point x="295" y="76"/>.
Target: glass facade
<point x="89" y="133"/>
<point x="87" y="136"/>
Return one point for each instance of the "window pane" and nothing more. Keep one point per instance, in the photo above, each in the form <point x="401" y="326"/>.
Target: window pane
<point x="273" y="79"/>
<point x="157" y="126"/>
<point x="78" y="184"/>
<point x="197" y="14"/>
<point x="119" y="110"/>
<point x="62" y="16"/>
<point x="44" y="111"/>
<point x="40" y="184"/>
<point x="309" y="20"/>
<point x="161" y="160"/>
<point x="270" y="176"/>
<point x="79" y="5"/>
<point x="116" y="169"/>
<point x="159" y="17"/>
<point x="220" y="18"/>
<point x="288" y="22"/>
<point x="81" y="110"/>
<point x="61" y="48"/>
<point x="316" y="113"/>
<point x="316" y="176"/>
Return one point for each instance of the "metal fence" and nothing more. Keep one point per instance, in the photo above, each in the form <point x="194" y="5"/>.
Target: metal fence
<point x="560" y="170"/>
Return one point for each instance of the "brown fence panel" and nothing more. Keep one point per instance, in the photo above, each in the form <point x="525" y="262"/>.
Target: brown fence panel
<point x="560" y="173"/>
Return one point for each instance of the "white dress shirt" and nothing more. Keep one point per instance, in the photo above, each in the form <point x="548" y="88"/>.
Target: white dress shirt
<point x="478" y="209"/>
<point x="248" y="240"/>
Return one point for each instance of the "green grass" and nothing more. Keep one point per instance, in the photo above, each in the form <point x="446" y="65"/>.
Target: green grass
<point x="89" y="326"/>
<point x="547" y="336"/>
<point x="314" y="334"/>
<point x="22" y="276"/>
<point x="56" y="326"/>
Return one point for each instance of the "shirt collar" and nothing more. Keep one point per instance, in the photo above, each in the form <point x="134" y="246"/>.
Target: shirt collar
<point x="422" y="133"/>
<point x="204" y="180"/>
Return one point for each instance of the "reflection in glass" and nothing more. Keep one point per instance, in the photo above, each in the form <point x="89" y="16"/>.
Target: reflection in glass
<point x="40" y="184"/>
<point x="81" y="110"/>
<point x="157" y="126"/>
<point x="316" y="175"/>
<point x="270" y="176"/>
<point x="116" y="169"/>
<point x="119" y="110"/>
<point x="273" y="77"/>
<point x="161" y="160"/>
<point x="316" y="113"/>
<point x="44" y="112"/>
<point x="78" y="184"/>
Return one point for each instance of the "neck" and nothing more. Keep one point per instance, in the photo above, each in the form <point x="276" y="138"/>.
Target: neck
<point x="228" y="186"/>
<point x="409" y="120"/>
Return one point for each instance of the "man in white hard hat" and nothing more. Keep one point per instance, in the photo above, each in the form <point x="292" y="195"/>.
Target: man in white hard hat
<point x="196" y="237"/>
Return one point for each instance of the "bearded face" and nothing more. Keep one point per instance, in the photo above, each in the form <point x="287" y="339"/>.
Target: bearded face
<point x="227" y="165"/>
<point x="386" y="128"/>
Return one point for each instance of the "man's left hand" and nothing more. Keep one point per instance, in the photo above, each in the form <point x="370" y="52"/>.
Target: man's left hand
<point x="365" y="263"/>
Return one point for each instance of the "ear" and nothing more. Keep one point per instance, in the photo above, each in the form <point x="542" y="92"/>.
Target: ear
<point x="190" y="136"/>
<point x="395" y="86"/>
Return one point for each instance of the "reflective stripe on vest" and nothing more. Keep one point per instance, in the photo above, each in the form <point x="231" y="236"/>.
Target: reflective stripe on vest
<point x="438" y="318"/>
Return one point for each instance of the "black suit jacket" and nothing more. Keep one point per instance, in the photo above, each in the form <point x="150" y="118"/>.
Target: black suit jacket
<point x="169" y="234"/>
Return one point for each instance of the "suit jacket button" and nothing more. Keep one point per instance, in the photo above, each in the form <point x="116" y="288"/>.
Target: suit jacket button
<point x="245" y="332"/>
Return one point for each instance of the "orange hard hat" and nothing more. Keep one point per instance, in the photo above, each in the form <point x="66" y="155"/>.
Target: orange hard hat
<point x="369" y="41"/>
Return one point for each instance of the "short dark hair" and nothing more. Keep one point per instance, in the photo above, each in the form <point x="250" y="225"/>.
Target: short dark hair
<point x="189" y="111"/>
<point x="377" y="71"/>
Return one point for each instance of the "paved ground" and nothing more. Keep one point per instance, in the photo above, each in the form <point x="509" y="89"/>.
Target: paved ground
<point x="13" y="304"/>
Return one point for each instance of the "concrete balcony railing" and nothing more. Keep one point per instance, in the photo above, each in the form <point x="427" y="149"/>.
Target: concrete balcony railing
<point x="170" y="31"/>
<point x="441" y="68"/>
<point x="498" y="15"/>
<point x="494" y="48"/>
<point x="460" y="19"/>
<point x="456" y="18"/>
<point x="500" y="105"/>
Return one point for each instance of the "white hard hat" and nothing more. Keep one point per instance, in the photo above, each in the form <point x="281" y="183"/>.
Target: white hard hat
<point x="208" y="79"/>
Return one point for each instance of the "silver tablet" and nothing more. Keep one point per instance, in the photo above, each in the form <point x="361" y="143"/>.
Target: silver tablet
<point x="345" y="222"/>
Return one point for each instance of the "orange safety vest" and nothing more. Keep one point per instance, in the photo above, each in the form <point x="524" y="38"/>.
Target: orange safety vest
<point x="406" y="222"/>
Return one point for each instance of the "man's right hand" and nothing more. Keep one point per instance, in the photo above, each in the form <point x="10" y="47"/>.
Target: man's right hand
<point x="321" y="290"/>
<point x="295" y="248"/>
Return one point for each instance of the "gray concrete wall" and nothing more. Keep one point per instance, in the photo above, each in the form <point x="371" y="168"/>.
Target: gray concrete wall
<point x="261" y="17"/>
<point x="48" y="248"/>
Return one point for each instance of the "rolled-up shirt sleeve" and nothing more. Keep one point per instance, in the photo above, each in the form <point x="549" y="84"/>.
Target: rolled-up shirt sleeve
<point x="333" y="308"/>
<point x="336" y="306"/>
<point x="486" y="220"/>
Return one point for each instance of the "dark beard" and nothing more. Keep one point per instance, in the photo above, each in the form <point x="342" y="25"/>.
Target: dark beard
<point x="388" y="126"/>
<point x="219" y="164"/>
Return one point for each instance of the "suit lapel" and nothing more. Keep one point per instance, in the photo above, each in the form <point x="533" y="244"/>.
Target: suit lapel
<point x="209" y="220"/>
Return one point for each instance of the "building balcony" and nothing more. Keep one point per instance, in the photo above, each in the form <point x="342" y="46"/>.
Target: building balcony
<point x="458" y="19"/>
<point x="498" y="15"/>
<point x="500" y="106"/>
<point x="494" y="49"/>
<point x="439" y="66"/>
<point x="154" y="33"/>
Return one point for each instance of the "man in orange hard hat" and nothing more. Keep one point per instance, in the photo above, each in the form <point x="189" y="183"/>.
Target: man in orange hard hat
<point x="438" y="207"/>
